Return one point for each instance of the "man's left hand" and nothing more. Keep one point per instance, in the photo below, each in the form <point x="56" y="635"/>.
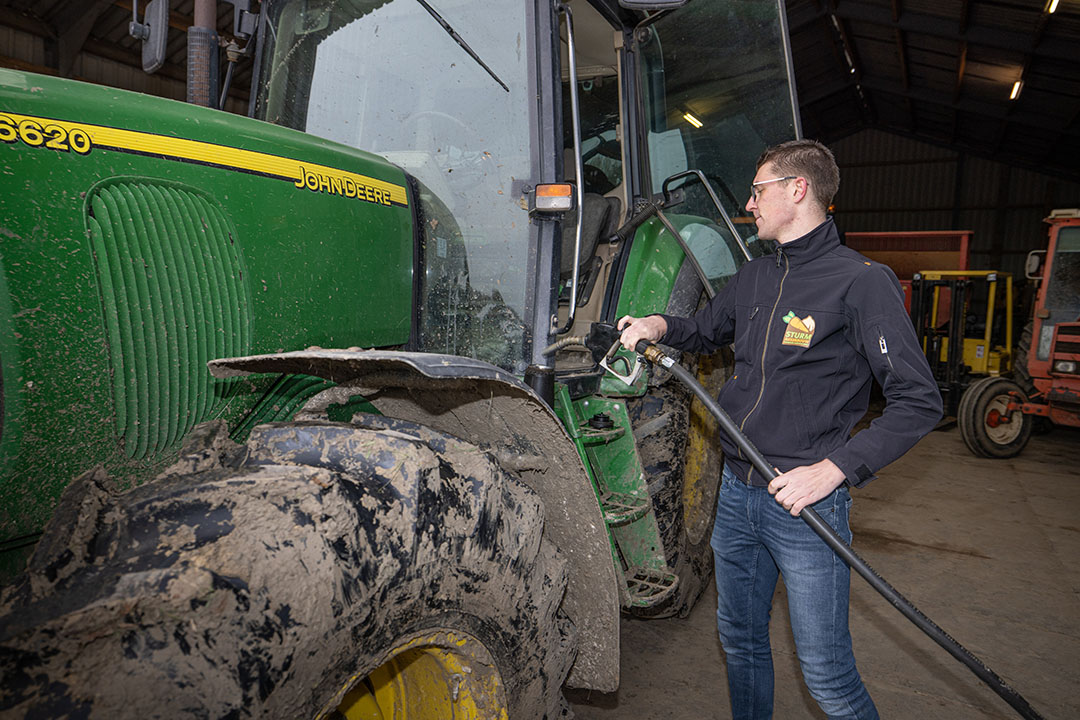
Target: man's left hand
<point x="805" y="485"/>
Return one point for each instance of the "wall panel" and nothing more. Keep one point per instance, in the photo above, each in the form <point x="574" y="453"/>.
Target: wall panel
<point x="891" y="183"/>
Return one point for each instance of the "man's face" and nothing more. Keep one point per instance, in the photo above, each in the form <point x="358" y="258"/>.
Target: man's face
<point x="773" y="207"/>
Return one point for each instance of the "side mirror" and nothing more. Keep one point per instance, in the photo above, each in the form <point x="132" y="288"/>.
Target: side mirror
<point x="651" y="4"/>
<point x="154" y="33"/>
<point x="1033" y="266"/>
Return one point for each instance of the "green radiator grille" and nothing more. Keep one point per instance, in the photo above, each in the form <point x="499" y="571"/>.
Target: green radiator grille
<point x="173" y="295"/>
<point x="287" y="395"/>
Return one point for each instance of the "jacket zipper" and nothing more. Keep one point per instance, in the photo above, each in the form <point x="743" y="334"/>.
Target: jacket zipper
<point x="765" y="346"/>
<point x="885" y="349"/>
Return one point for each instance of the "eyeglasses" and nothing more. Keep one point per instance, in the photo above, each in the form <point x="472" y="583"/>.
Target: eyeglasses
<point x="754" y="192"/>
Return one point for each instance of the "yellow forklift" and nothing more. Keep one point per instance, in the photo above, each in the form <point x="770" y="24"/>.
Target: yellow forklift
<point x="964" y="319"/>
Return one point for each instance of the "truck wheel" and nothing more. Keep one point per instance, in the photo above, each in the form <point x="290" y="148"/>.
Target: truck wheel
<point x="678" y="442"/>
<point x="983" y="425"/>
<point x="322" y="570"/>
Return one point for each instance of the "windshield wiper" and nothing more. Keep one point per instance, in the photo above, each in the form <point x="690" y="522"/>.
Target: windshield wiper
<point x="461" y="42"/>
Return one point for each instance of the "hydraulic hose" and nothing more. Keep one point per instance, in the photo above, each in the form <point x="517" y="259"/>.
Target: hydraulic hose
<point x="654" y="355"/>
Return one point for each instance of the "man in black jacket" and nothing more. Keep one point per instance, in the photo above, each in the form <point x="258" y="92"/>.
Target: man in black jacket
<point x="812" y="325"/>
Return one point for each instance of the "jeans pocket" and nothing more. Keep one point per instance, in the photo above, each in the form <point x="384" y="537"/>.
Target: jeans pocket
<point x="838" y="500"/>
<point x="826" y="506"/>
<point x="725" y="482"/>
<point x="835" y="510"/>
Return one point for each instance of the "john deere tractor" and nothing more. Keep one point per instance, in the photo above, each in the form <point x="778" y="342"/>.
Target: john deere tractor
<point x="318" y="412"/>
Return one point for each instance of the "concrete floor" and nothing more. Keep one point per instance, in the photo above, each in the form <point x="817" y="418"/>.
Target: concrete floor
<point x="987" y="549"/>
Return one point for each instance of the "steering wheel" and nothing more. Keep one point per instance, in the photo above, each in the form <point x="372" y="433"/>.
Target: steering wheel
<point x="422" y="114"/>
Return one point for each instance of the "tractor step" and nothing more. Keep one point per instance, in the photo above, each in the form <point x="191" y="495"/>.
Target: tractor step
<point x="590" y="435"/>
<point x="623" y="508"/>
<point x="649" y="586"/>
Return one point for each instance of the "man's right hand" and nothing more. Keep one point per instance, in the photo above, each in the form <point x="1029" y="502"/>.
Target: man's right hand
<point x="634" y="330"/>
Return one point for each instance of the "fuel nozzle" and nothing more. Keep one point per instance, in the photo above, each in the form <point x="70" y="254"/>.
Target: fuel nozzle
<point x="605" y="344"/>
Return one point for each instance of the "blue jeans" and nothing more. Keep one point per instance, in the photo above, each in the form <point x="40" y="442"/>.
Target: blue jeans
<point x="754" y="540"/>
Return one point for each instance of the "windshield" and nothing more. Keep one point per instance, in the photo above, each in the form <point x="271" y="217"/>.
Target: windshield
<point x="717" y="91"/>
<point x="1062" y="287"/>
<point x="388" y="78"/>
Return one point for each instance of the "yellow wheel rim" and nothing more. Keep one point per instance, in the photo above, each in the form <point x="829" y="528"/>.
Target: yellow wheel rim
<point x="440" y="675"/>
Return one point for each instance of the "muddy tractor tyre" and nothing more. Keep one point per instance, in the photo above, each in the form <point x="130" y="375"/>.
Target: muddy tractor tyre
<point x="322" y="570"/>
<point x="678" y="443"/>
<point x="983" y="425"/>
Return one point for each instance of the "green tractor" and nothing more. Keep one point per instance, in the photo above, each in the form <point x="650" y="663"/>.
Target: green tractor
<point x="317" y="413"/>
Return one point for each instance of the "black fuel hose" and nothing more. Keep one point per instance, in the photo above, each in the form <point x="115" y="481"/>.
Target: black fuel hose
<point x="841" y="548"/>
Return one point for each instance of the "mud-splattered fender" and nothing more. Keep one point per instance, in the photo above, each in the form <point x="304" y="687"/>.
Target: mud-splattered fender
<point x="492" y="409"/>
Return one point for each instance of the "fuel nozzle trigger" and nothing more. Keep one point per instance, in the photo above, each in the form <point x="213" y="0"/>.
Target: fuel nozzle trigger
<point x="612" y="360"/>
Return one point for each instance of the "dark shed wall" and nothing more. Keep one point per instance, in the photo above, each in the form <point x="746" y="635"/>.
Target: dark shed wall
<point x="889" y="182"/>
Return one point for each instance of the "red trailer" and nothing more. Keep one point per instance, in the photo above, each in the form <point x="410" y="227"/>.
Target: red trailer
<point x="910" y="252"/>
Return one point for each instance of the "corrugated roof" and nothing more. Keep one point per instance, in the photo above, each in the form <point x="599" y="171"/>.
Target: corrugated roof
<point x="939" y="71"/>
<point x="942" y="71"/>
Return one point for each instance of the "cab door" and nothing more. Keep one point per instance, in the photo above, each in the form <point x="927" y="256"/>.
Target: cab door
<point x="716" y="88"/>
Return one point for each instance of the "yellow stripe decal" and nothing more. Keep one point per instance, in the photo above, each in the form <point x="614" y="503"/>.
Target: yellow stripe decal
<point x="82" y="138"/>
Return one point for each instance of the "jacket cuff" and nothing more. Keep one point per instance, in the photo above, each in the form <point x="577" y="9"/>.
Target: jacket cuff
<point x="672" y="322"/>
<point x="856" y="472"/>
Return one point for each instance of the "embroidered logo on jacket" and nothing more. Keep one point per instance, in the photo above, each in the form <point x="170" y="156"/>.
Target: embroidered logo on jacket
<point x="800" y="331"/>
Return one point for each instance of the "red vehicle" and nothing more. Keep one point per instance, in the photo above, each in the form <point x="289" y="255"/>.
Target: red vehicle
<point x="996" y="414"/>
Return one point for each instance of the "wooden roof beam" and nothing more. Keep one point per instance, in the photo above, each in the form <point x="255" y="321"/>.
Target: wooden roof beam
<point x="73" y="23"/>
<point x="925" y="24"/>
<point x="995" y="111"/>
<point x="853" y="68"/>
<point x="1040" y="28"/>
<point x="961" y="68"/>
<point x="901" y="56"/>
<point x="30" y="24"/>
<point x="848" y="47"/>
<point x="901" y="53"/>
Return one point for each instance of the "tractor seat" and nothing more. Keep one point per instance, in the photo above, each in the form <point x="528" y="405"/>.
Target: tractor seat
<point x="601" y="218"/>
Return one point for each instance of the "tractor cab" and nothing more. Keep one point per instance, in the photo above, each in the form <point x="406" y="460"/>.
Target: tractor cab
<point x="1058" y="299"/>
<point x="626" y="105"/>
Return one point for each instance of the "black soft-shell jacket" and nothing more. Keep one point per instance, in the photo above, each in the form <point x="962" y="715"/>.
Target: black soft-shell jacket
<point x="811" y="323"/>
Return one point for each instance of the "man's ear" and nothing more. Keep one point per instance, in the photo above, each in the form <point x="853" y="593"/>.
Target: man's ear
<point x="802" y="190"/>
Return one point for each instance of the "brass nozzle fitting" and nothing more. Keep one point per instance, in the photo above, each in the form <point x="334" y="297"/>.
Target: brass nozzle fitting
<point x="655" y="355"/>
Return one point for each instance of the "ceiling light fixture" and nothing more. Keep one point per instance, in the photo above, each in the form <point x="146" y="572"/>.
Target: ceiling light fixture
<point x="1016" y="89"/>
<point x="692" y="120"/>
<point x="1053" y="6"/>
